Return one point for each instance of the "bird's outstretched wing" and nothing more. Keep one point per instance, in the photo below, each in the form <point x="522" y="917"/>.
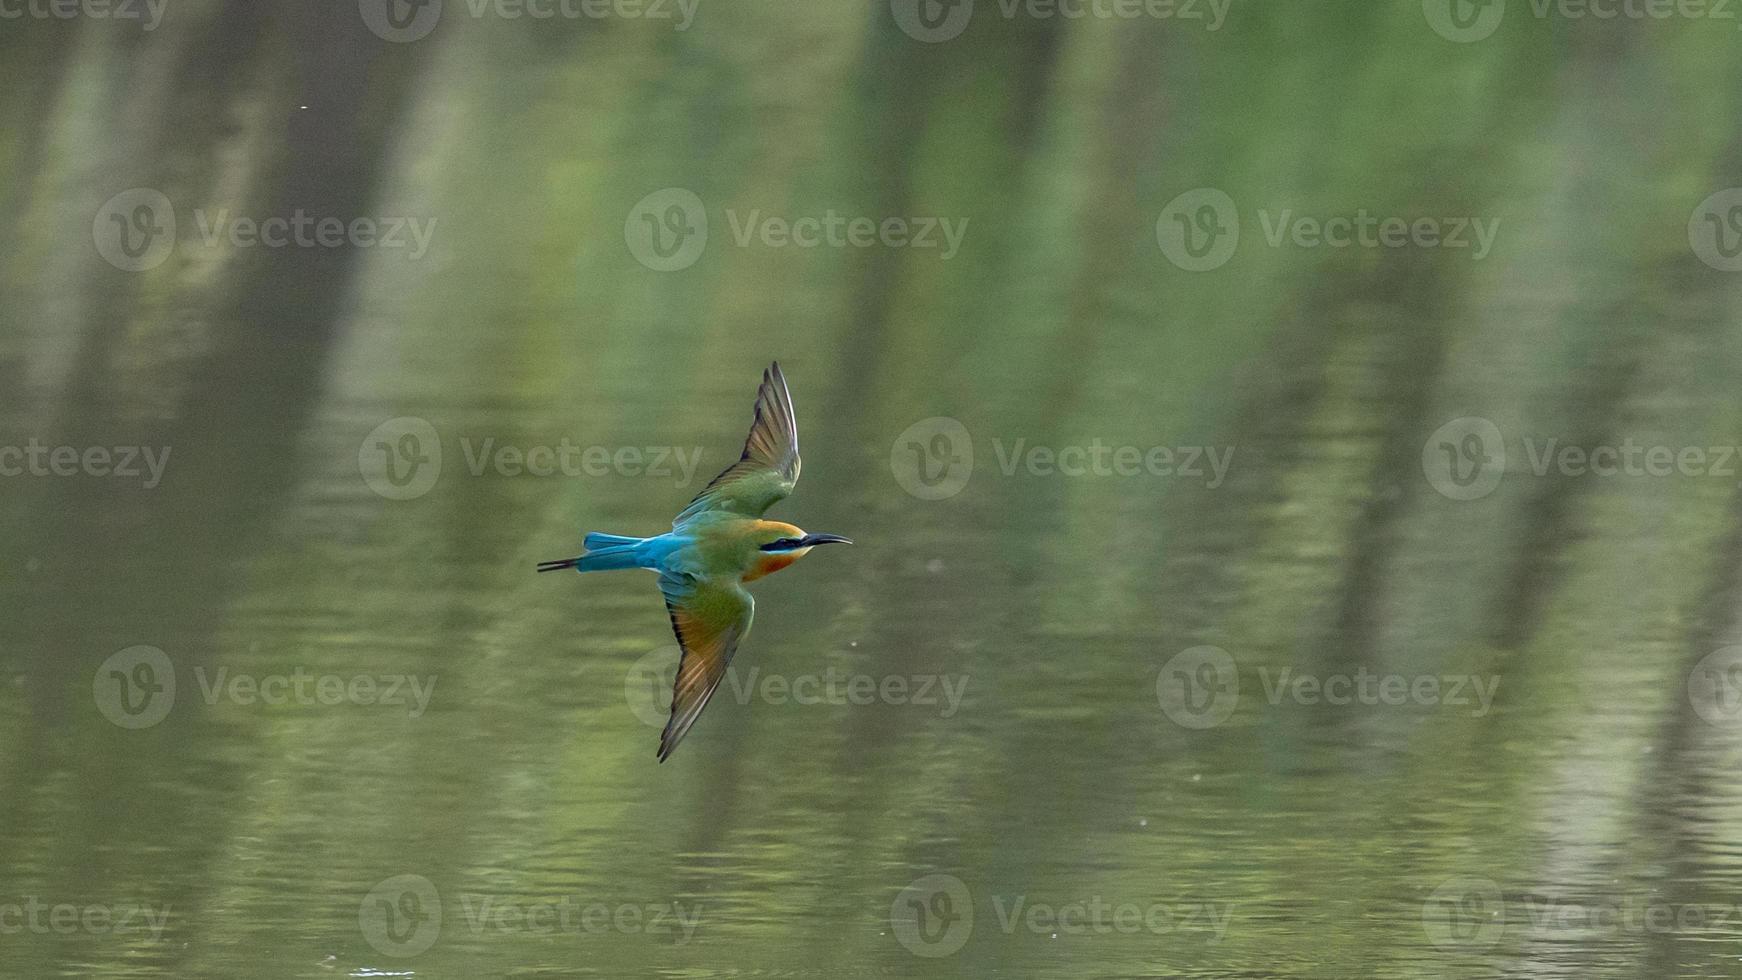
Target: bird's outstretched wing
<point x="768" y="469"/>
<point x="709" y="620"/>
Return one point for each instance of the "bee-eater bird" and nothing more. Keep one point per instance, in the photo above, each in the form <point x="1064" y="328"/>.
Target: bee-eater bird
<point x="714" y="548"/>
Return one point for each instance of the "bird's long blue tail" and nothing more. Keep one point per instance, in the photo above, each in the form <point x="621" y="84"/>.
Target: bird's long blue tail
<point x="605" y="552"/>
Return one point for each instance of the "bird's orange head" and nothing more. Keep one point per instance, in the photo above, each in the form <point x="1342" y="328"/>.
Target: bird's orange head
<point x="782" y="544"/>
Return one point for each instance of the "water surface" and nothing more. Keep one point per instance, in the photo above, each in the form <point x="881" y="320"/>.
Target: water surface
<point x="456" y="779"/>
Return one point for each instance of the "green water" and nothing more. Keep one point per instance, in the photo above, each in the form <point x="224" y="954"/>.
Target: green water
<point x="1221" y="682"/>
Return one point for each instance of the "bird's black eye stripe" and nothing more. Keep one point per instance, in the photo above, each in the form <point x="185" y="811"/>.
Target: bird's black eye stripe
<point x="784" y="544"/>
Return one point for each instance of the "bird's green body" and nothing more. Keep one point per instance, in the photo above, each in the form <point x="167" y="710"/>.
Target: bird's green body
<point x="724" y="547"/>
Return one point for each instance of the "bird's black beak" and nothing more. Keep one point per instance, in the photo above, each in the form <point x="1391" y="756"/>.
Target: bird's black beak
<point x="812" y="540"/>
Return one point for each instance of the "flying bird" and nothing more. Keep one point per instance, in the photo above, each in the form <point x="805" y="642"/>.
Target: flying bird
<point x="715" y="547"/>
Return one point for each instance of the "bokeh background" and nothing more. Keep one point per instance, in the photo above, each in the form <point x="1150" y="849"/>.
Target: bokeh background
<point x="1125" y="750"/>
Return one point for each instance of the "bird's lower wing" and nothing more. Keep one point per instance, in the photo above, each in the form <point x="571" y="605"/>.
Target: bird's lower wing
<point x="709" y="621"/>
<point x="769" y="465"/>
